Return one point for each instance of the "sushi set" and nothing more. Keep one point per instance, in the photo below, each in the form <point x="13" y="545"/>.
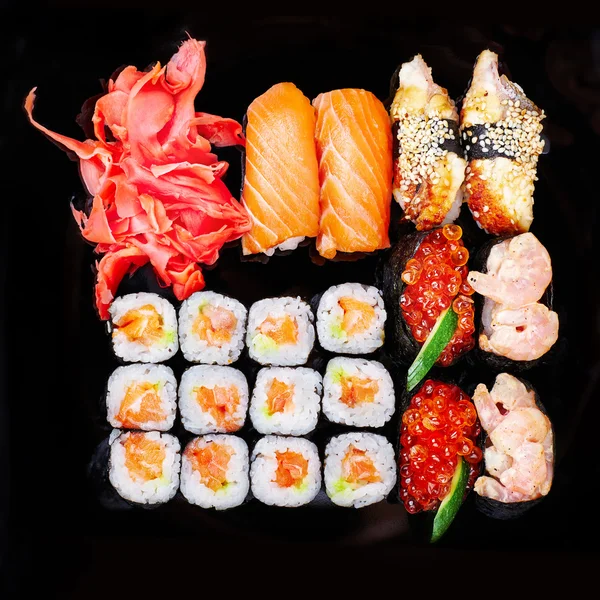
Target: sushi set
<point x="345" y="389"/>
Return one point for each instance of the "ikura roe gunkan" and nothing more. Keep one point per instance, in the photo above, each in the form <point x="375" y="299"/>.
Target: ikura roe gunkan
<point x="435" y="279"/>
<point x="439" y="428"/>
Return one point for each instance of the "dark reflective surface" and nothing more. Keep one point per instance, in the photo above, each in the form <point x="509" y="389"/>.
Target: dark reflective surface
<point x="51" y="413"/>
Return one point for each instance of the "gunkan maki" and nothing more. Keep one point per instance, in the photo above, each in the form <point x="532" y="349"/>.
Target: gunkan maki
<point x="428" y="297"/>
<point x="439" y="452"/>
<point x="518" y="326"/>
<point x="519" y="448"/>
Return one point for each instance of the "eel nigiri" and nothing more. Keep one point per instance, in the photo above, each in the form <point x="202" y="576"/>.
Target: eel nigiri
<point x="429" y="168"/>
<point x="354" y="149"/>
<point x="281" y="180"/>
<point x="501" y="131"/>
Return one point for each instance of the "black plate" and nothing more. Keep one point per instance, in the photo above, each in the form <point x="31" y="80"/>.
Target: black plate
<point x="56" y="357"/>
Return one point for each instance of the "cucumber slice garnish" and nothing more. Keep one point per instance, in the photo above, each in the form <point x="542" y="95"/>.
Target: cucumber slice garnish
<point x="434" y="345"/>
<point x="452" y="502"/>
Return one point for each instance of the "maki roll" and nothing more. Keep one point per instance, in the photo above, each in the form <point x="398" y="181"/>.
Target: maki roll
<point x="211" y="328"/>
<point x="144" y="466"/>
<point x="427" y="294"/>
<point x="429" y="167"/>
<point x="519" y="449"/>
<point x="351" y="318"/>
<point x="286" y="401"/>
<point x="142" y="397"/>
<point x="285" y="471"/>
<point x="358" y="392"/>
<point x="214" y="471"/>
<point x="213" y="399"/>
<point x="280" y="331"/>
<point x="516" y="328"/>
<point x="144" y="328"/>
<point x="501" y="131"/>
<point x="360" y="469"/>
<point x="439" y="453"/>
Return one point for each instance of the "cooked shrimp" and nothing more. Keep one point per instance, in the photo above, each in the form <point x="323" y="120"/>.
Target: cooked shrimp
<point x="519" y="271"/>
<point x="525" y="333"/>
<point x="520" y="460"/>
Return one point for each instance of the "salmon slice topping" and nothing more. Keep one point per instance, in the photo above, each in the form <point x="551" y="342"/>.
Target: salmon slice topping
<point x="143" y="325"/>
<point x="358" y="315"/>
<point x="215" y="325"/>
<point x="282" y="330"/>
<point x="280" y="397"/>
<point x="141" y="404"/>
<point x="143" y="457"/>
<point x="221" y="403"/>
<point x="292" y="468"/>
<point x="358" y="390"/>
<point x="358" y="468"/>
<point x="211" y="462"/>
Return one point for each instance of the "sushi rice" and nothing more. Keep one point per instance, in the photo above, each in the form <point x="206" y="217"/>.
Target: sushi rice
<point x="358" y="392"/>
<point x="221" y="412"/>
<point x="221" y="488"/>
<point x="144" y="328"/>
<point x="263" y="348"/>
<point x="264" y="471"/>
<point x="151" y="483"/>
<point x="344" y="329"/>
<point x="220" y="351"/>
<point x="298" y="394"/>
<point x="376" y="455"/>
<point x="126" y="397"/>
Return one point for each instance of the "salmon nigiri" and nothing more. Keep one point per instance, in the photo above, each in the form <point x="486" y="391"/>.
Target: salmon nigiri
<point x="354" y="149"/>
<point x="281" y="180"/>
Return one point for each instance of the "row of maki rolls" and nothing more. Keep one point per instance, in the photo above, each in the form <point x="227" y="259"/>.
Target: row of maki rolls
<point x="216" y="469"/>
<point x="212" y="328"/>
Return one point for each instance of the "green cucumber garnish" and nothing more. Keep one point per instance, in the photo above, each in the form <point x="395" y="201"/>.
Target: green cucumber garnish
<point x="169" y="337"/>
<point x="452" y="502"/>
<point x="436" y="341"/>
<point x="263" y="344"/>
<point x="336" y="330"/>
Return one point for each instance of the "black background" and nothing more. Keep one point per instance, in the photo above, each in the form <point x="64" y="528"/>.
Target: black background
<point x="52" y="531"/>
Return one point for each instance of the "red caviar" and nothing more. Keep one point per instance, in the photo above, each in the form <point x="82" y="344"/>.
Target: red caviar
<point x="435" y="279"/>
<point x="439" y="426"/>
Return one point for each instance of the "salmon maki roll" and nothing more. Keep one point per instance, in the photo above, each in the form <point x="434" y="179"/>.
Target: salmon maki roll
<point x="214" y="471"/>
<point x="213" y="399"/>
<point x="142" y="396"/>
<point x="501" y="130"/>
<point x="360" y="469"/>
<point x="429" y="168"/>
<point x="354" y="149"/>
<point x="281" y="181"/>
<point x="144" y="466"/>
